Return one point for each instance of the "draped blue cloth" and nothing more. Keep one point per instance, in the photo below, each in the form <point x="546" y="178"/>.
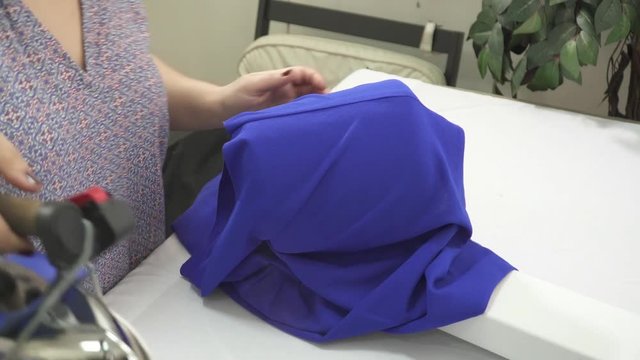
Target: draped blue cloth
<point x="342" y="214"/>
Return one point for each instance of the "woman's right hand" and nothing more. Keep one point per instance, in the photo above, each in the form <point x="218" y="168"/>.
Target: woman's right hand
<point x="15" y="170"/>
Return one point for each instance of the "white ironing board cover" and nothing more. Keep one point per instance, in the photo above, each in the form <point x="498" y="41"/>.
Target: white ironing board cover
<point x="556" y="193"/>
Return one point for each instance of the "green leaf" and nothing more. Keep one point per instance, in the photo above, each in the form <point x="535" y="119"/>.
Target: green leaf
<point x="632" y="10"/>
<point x="540" y="35"/>
<point x="486" y="16"/>
<point x="483" y="59"/>
<point x="496" y="6"/>
<point x="569" y="62"/>
<point x="607" y="15"/>
<point x="481" y="28"/>
<point x="585" y="22"/>
<point x="518" y="76"/>
<point x="480" y="32"/>
<point x="556" y="2"/>
<point x="532" y="25"/>
<point x="506" y="24"/>
<point x="539" y="53"/>
<point x="550" y="13"/>
<point x="564" y="14"/>
<point x="500" y="5"/>
<point x="542" y="52"/>
<point x="620" y="31"/>
<point x="593" y="3"/>
<point x="544" y="16"/>
<point x="521" y="10"/>
<point x="546" y="77"/>
<point x="496" y="51"/>
<point x="588" y="48"/>
<point x="560" y="35"/>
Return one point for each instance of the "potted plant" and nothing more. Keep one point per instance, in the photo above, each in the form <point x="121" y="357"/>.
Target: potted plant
<point x="540" y="43"/>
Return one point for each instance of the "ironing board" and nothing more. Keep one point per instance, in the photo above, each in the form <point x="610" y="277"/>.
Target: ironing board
<point x="555" y="193"/>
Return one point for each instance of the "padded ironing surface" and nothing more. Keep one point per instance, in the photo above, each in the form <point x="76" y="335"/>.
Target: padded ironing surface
<point x="555" y="193"/>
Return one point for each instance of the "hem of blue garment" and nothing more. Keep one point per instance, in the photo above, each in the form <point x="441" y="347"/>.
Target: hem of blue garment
<point x="500" y="269"/>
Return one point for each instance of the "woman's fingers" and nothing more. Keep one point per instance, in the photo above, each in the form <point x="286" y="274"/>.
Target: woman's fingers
<point x="307" y="81"/>
<point x="15" y="169"/>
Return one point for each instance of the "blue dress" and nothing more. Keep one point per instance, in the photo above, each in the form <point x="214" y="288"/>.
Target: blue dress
<point x="342" y="214"/>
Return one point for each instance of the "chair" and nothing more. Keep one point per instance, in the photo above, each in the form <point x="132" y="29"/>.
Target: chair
<point x="444" y="41"/>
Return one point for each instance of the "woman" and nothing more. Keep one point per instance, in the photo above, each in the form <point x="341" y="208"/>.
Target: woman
<point x="82" y="103"/>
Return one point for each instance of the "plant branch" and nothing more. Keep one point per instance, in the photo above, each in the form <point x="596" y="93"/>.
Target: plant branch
<point x="633" y="97"/>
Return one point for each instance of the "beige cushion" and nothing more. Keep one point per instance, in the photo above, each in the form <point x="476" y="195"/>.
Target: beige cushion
<point x="334" y="59"/>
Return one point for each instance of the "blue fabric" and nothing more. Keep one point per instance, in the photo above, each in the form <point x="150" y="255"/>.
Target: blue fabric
<point x="339" y="215"/>
<point x="41" y="266"/>
<point x="38" y="263"/>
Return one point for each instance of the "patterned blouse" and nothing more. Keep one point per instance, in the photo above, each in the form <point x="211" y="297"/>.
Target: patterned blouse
<point x="105" y="126"/>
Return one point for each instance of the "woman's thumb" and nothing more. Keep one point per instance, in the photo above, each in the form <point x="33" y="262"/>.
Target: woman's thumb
<point x="15" y="169"/>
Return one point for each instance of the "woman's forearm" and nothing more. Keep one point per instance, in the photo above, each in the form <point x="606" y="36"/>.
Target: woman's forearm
<point x="193" y="104"/>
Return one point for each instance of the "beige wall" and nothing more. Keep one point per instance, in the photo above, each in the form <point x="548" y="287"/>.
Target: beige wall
<point x="205" y="38"/>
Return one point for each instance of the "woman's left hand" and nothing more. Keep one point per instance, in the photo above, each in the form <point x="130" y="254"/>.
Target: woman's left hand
<point x="198" y="105"/>
<point x="260" y="90"/>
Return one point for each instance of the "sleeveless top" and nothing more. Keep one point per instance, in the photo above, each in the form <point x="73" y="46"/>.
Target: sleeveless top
<point x="106" y="126"/>
<point x="342" y="214"/>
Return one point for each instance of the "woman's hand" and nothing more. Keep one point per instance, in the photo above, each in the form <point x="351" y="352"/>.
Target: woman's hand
<point x="198" y="105"/>
<point x="260" y="90"/>
<point x="17" y="172"/>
